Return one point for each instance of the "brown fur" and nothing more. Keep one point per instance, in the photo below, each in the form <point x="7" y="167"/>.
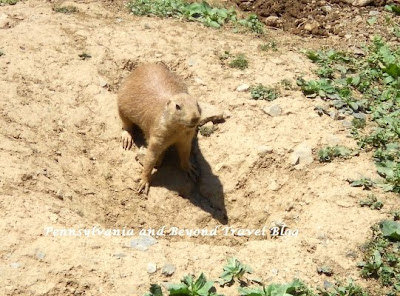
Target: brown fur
<point x="154" y="99"/>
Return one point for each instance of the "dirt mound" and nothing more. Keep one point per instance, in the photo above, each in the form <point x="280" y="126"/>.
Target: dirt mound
<point x="319" y="18"/>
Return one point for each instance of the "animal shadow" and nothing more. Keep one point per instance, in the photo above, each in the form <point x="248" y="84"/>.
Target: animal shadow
<point x="207" y="193"/>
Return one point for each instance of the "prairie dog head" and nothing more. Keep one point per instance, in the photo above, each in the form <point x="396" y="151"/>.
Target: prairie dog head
<point x="183" y="110"/>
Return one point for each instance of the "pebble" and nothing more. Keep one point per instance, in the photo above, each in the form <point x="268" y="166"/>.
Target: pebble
<point x="242" y="87"/>
<point x="373" y="13"/>
<point x="274" y="110"/>
<point x="151" y="268"/>
<point x="360" y="115"/>
<point x="263" y="150"/>
<point x="40" y="255"/>
<point x="15" y="265"/>
<point x="120" y="255"/>
<point x="327" y="9"/>
<point x="142" y="243"/>
<point x="227" y="114"/>
<point x="347" y="123"/>
<point x="272" y="21"/>
<point x="168" y="269"/>
<point x="199" y="81"/>
<point x="301" y="155"/>
<point x="102" y="82"/>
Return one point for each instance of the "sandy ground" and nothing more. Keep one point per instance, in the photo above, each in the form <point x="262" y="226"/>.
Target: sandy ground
<point x="62" y="164"/>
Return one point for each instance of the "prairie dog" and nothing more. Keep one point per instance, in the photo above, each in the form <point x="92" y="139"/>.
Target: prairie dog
<point x="157" y="101"/>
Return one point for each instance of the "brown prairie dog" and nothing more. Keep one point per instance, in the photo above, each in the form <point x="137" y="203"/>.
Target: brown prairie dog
<point x="155" y="99"/>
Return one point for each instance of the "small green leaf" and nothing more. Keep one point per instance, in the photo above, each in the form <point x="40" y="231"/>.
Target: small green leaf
<point x="371" y="21"/>
<point x="178" y="289"/>
<point x="391" y="229"/>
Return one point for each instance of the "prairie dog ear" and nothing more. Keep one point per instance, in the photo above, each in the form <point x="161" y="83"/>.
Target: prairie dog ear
<point x="169" y="102"/>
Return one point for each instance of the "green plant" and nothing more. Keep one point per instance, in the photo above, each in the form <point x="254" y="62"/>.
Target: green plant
<point x="239" y="62"/>
<point x="393" y="8"/>
<point x="192" y="287"/>
<point x="368" y="84"/>
<point x="66" y="9"/>
<point x="381" y="259"/>
<point x="295" y="288"/>
<point x="206" y="130"/>
<point x="155" y="290"/>
<point x="233" y="270"/>
<point x="269" y="46"/>
<point x="287" y="84"/>
<point x="252" y="23"/>
<point x="328" y="153"/>
<point x="372" y="202"/>
<point x="9" y="2"/>
<point x="366" y="183"/>
<point x="339" y="289"/>
<point x="261" y="92"/>
<point x="197" y="11"/>
<point x="358" y="123"/>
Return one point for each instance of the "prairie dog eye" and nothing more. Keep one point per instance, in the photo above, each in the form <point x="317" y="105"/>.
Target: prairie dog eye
<point x="178" y="107"/>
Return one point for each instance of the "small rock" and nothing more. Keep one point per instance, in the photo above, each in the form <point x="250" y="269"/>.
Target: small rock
<point x="151" y="268"/>
<point x="325" y="270"/>
<point x="119" y="255"/>
<point x="220" y="166"/>
<point x="273" y="186"/>
<point x="15" y="265"/>
<point x="358" y="51"/>
<point x="301" y="155"/>
<point x="272" y="21"/>
<point x="328" y="285"/>
<point x="327" y="9"/>
<point x="199" y="81"/>
<point x="40" y="255"/>
<point x="359" y="2"/>
<point x="340" y="116"/>
<point x="192" y="62"/>
<point x="347" y="36"/>
<point x="346" y="124"/>
<point x="143" y="242"/>
<point x="147" y="26"/>
<point x="60" y="194"/>
<point x="242" y="87"/>
<point x="373" y="13"/>
<point x="263" y="150"/>
<point x="168" y="269"/>
<point x="274" y="272"/>
<point x="333" y="114"/>
<point x="227" y="114"/>
<point x="26" y="177"/>
<point x="209" y="113"/>
<point x="102" y="82"/>
<point x="360" y="115"/>
<point x="311" y="26"/>
<point x="274" y="110"/>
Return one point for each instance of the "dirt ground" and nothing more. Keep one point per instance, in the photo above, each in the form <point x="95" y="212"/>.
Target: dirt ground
<point x="62" y="164"/>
